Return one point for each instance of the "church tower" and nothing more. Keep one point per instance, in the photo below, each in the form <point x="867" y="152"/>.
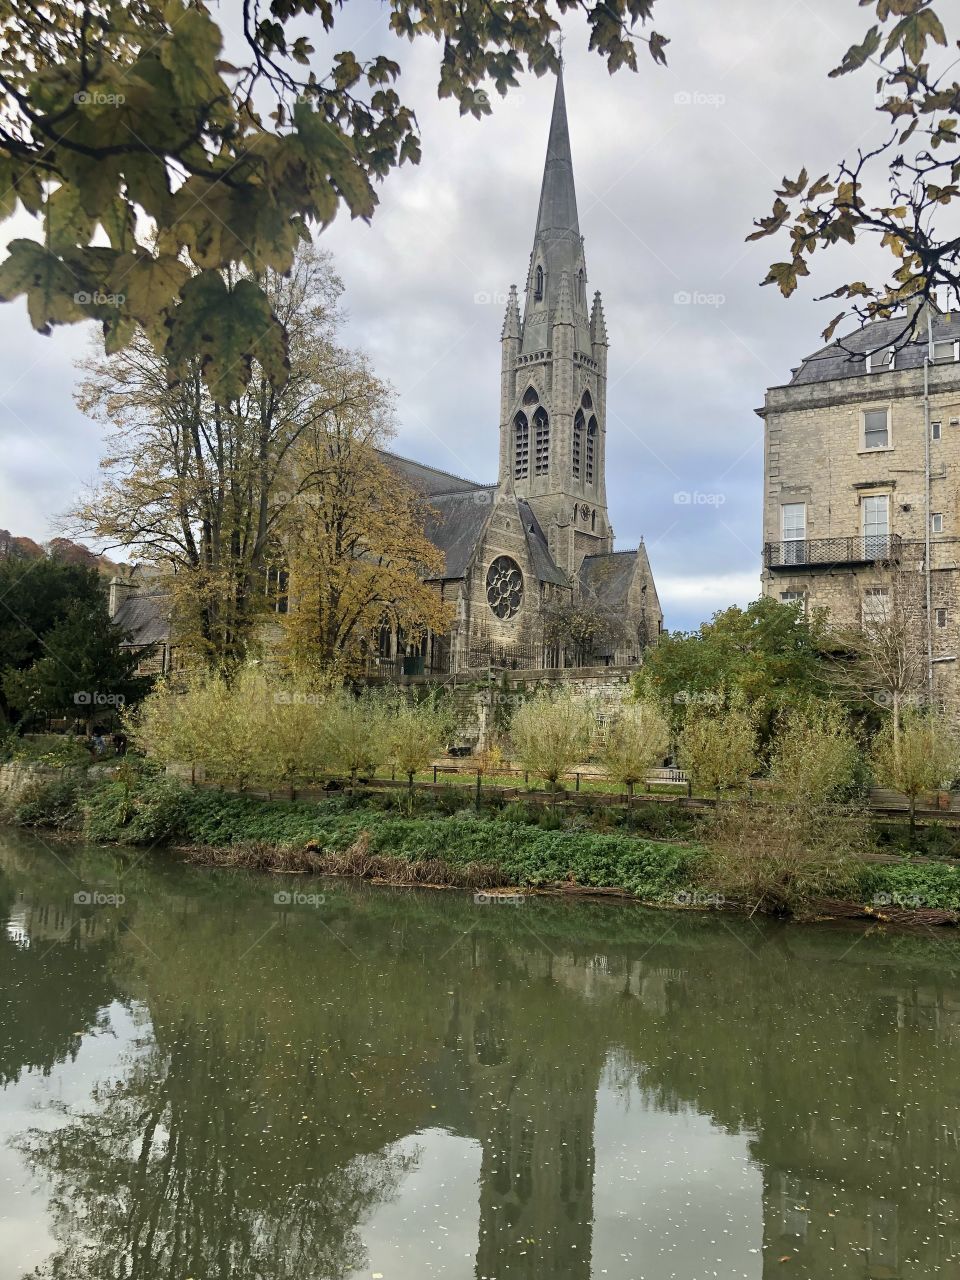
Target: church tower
<point x="553" y="395"/>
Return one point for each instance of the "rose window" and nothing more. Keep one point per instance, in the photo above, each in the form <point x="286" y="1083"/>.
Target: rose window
<point x="504" y="587"/>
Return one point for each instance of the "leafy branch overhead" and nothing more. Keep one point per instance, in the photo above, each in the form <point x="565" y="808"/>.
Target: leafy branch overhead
<point x="919" y="159"/>
<point x="155" y="165"/>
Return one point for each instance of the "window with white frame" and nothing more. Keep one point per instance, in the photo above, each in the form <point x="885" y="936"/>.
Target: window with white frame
<point x="881" y="361"/>
<point x="936" y="522"/>
<point x="876" y="429"/>
<point x="794" y="526"/>
<point x="875" y="508"/>
<point x="794" y="597"/>
<point x="941" y="618"/>
<point x="936" y="430"/>
<point x="875" y="606"/>
<point x="946" y="352"/>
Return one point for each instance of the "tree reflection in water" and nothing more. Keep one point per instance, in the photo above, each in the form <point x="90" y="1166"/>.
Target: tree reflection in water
<point x="288" y="1053"/>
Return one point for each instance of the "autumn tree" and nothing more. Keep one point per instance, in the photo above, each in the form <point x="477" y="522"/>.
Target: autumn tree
<point x="921" y="756"/>
<point x="882" y="662"/>
<point x="718" y="746"/>
<point x="551" y="731"/>
<point x="199" y="489"/>
<point x="637" y="738"/>
<point x="907" y="64"/>
<point x="158" y="168"/>
<point x="353" y="537"/>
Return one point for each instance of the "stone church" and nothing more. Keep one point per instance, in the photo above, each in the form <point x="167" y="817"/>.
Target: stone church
<point x="542" y="533"/>
<point x="539" y="537"/>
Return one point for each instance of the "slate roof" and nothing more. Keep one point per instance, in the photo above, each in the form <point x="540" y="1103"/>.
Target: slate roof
<point x="146" y="618"/>
<point x="456" y="527"/>
<point x="836" y="361"/>
<point x="543" y="565"/>
<point x="607" y="577"/>
<point x="428" y="480"/>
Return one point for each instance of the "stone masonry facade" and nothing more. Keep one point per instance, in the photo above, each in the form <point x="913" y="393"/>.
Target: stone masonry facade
<point x="858" y="465"/>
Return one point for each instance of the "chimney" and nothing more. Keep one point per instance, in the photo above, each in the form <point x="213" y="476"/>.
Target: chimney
<point x="120" y="590"/>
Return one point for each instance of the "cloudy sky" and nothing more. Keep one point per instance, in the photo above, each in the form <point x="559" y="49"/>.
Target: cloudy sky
<point x="671" y="167"/>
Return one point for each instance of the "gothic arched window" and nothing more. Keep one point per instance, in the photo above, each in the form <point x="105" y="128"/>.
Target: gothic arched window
<point x="581" y="285"/>
<point x="593" y="520"/>
<point x="579" y="424"/>
<point x="538" y="284"/>
<point x="530" y="396"/>
<point x="587" y="401"/>
<point x="541" y="425"/>
<point x="521" y="447"/>
<point x="591" y="449"/>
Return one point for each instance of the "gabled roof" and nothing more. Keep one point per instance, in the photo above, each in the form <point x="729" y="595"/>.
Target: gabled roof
<point x="607" y="577"/>
<point x="846" y="357"/>
<point x="458" y="524"/>
<point x="146" y="616"/>
<point x="540" y="557"/>
<point x="427" y="480"/>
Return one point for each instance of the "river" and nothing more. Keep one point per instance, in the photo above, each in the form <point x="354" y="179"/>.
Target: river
<point x="212" y="1074"/>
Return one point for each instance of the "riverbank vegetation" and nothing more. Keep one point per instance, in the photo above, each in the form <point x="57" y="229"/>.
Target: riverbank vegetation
<point x="444" y="840"/>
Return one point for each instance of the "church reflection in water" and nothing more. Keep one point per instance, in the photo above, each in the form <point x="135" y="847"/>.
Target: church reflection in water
<point x="259" y="1120"/>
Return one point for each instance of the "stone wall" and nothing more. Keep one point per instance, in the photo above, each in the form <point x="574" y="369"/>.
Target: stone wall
<point x="484" y="707"/>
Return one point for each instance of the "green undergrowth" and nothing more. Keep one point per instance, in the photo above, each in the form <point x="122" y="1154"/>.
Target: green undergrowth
<point x="528" y="845"/>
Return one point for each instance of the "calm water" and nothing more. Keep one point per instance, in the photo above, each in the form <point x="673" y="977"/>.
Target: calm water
<point x="201" y="1082"/>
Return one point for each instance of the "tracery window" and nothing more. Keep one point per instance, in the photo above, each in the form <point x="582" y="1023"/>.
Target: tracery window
<point x="504" y="587"/>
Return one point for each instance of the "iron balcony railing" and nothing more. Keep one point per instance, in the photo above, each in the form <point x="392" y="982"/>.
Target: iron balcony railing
<point x="824" y="553"/>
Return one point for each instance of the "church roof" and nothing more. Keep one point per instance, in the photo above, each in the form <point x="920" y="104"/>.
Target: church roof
<point x="608" y="577"/>
<point x="540" y="557"/>
<point x="458" y="524"/>
<point x="428" y="480"/>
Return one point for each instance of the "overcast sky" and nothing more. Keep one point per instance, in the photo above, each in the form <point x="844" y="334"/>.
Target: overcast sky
<point x="671" y="167"/>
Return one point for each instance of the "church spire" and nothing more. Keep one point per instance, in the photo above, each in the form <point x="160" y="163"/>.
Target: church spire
<point x="558" y="197"/>
<point x="557" y="245"/>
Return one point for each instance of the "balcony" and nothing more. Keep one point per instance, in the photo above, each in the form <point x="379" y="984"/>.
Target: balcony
<point x="831" y="553"/>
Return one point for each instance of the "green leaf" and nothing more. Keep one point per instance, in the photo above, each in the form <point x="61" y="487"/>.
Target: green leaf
<point x="227" y="329"/>
<point x="149" y="285"/>
<point x="51" y="287"/>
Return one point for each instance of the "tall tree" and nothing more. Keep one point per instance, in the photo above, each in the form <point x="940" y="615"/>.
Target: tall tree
<point x="124" y="129"/>
<point x="769" y="654"/>
<point x="58" y="647"/>
<point x="200" y="489"/>
<point x="354" y="538"/>
<point x="87" y="669"/>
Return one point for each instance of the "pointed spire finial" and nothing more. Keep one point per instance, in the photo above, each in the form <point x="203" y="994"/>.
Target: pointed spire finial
<point x="511" y="320"/>
<point x="598" y="325"/>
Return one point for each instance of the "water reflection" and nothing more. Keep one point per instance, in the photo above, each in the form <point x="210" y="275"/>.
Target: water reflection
<point x="414" y="1084"/>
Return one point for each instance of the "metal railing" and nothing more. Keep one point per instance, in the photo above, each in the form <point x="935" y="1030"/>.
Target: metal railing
<point x="826" y="552"/>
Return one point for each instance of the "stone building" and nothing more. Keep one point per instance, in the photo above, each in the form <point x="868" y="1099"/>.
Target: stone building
<point x="861" y="459"/>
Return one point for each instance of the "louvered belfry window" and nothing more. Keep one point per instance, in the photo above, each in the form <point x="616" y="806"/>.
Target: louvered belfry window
<point x="591" y="449"/>
<point x="541" y="424"/>
<point x="521" y="447"/>
<point x="578" y="426"/>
